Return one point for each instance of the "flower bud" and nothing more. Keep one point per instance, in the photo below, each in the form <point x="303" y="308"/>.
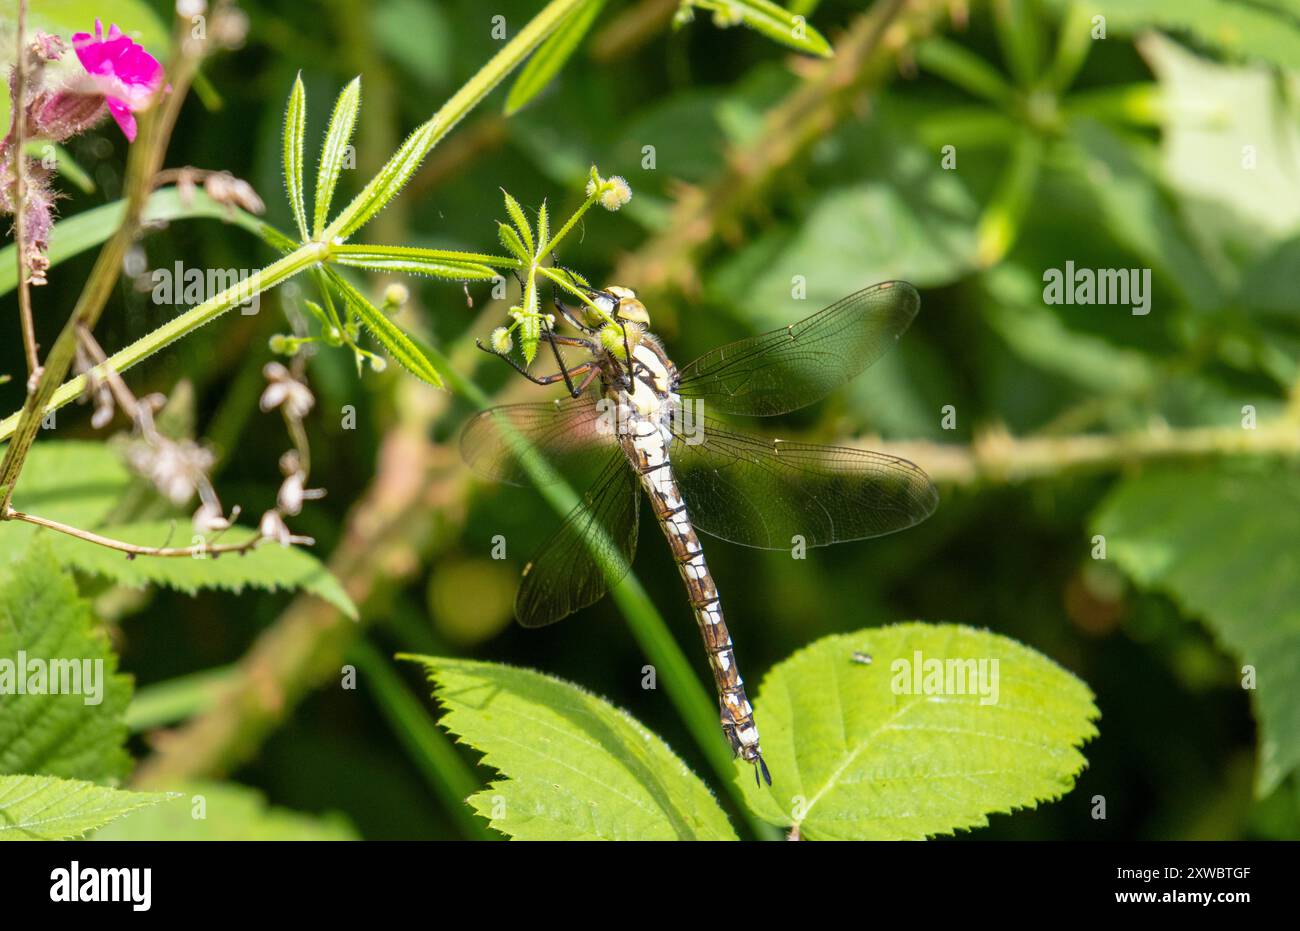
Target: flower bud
<point x="396" y="294"/>
<point x="616" y="193"/>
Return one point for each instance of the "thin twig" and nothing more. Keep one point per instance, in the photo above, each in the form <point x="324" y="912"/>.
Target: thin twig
<point x="132" y="550"/>
<point x="631" y="29"/>
<point x="996" y="457"/>
<point x="19" y="199"/>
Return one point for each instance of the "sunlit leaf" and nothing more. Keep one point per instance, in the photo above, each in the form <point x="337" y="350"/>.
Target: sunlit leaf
<point x="46" y="808"/>
<point x="335" y="150"/>
<point x="574" y="767"/>
<point x="944" y="726"/>
<point x="1230" y="146"/>
<point x="388" y="183"/>
<point x="530" y="327"/>
<point x="457" y="266"/>
<point x="295" y="122"/>
<point x="552" y="55"/>
<point x="513" y="244"/>
<point x="78" y="732"/>
<point x="773" y="21"/>
<point x="543" y="229"/>
<point x="1265" y="31"/>
<point x="520" y="220"/>
<point x="270" y="567"/>
<point x="225" y="811"/>
<point x="73" y="481"/>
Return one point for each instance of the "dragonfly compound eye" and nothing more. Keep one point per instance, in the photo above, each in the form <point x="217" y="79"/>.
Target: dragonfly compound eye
<point x="633" y="311"/>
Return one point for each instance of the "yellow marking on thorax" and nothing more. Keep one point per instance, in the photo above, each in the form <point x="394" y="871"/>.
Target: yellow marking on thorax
<point x="650" y="359"/>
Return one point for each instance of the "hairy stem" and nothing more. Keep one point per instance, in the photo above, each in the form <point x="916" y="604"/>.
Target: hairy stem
<point x="476" y="88"/>
<point x="19" y="132"/>
<point x="143" y="163"/>
<point x="281" y="270"/>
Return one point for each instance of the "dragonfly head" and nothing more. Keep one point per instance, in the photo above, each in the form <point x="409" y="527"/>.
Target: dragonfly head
<point x="619" y="303"/>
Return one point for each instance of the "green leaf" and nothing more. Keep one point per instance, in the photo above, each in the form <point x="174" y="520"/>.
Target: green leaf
<point x="966" y="69"/>
<point x="389" y="335"/>
<point x="270" y="566"/>
<point x="1140" y="214"/>
<point x="543" y="229"/>
<point x="136" y="18"/>
<point x="1220" y="540"/>
<point x="575" y="767"/>
<point x="226" y="811"/>
<point x="387" y="184"/>
<point x="1213" y="117"/>
<point x="1038" y="334"/>
<point x="912" y="220"/>
<point x="456" y="266"/>
<point x="332" y="153"/>
<point x="46" y="808"/>
<point x="856" y="753"/>
<point x="551" y="56"/>
<point x="46" y="629"/>
<point x="72" y="481"/>
<point x="1004" y="215"/>
<point x="1265" y="31"/>
<point x="520" y="220"/>
<point x="773" y="21"/>
<point x="91" y="228"/>
<point x="295" y="123"/>
<point x="513" y="244"/>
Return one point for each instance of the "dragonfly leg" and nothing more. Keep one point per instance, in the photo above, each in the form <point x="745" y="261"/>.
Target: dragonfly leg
<point x="627" y="349"/>
<point x="582" y="369"/>
<point x="559" y="360"/>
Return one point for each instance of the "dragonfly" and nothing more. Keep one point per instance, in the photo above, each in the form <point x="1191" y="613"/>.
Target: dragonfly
<point x="631" y="422"/>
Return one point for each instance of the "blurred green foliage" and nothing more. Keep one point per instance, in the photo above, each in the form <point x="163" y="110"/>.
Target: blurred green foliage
<point x="1170" y="144"/>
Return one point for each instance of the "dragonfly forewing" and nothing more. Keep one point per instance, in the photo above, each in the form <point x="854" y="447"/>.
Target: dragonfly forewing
<point x="796" y="365"/>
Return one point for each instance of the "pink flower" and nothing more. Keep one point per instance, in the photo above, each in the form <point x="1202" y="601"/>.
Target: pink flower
<point x="123" y="71"/>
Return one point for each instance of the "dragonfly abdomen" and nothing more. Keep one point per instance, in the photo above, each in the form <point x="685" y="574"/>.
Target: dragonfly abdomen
<point x="647" y="447"/>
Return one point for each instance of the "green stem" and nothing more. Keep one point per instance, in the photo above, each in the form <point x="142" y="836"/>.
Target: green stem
<point x="572" y="221"/>
<point x="1073" y="43"/>
<point x="443" y="767"/>
<point x="281" y="270"/>
<point x="698" y="711"/>
<point x="476" y="88"/>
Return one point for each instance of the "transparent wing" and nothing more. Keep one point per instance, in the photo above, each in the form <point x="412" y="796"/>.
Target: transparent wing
<point x="567" y="433"/>
<point x="792" y="367"/>
<point x="591" y="550"/>
<point x="762" y="492"/>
